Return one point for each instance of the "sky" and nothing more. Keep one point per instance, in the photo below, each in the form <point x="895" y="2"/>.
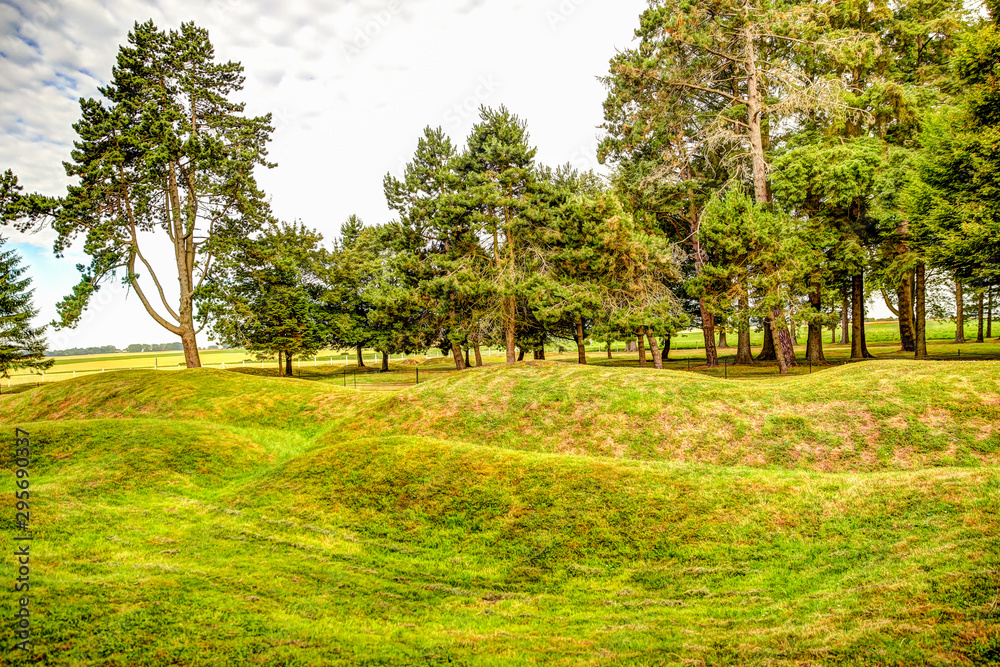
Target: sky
<point x="351" y="85"/>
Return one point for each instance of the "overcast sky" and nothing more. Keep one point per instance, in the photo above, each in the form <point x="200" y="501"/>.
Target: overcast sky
<point x="351" y="85"/>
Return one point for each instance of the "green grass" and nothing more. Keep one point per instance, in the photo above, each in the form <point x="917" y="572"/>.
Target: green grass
<point x="539" y="514"/>
<point x="331" y="364"/>
<point x="881" y="415"/>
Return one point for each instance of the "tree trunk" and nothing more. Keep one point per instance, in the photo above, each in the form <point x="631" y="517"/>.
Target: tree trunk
<point x="708" y="332"/>
<point x="767" y="353"/>
<point x="191" y="358"/>
<point x="581" y="348"/>
<point x="744" y="355"/>
<point x="776" y="326"/>
<point x="666" y="347"/>
<point x="520" y="355"/>
<point x="989" y="316"/>
<point x="859" y="347"/>
<point x="920" y="316"/>
<point x="510" y="315"/>
<point x="654" y="348"/>
<point x="361" y="357"/>
<point x="959" y="313"/>
<point x="723" y="343"/>
<point x="479" y="355"/>
<point x="904" y="296"/>
<point x="288" y="364"/>
<point x="467" y="363"/>
<point x="785" y="338"/>
<point x="982" y="317"/>
<point x="642" y="349"/>
<point x="281" y="366"/>
<point x="814" y="346"/>
<point x="609" y="350"/>
<point x="754" y="117"/>
<point x="456" y="353"/>
<point x="385" y="362"/>
<point x="845" y="324"/>
<point x="833" y="335"/>
<point x="904" y="291"/>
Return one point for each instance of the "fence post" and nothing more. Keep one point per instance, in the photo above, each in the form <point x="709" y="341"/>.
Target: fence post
<point x="418" y="374"/>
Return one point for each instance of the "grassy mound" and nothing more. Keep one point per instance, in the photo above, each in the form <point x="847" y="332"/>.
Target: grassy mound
<point x="115" y="458"/>
<point x="408" y="550"/>
<point x="206" y="517"/>
<point x="202" y="394"/>
<point x="876" y="416"/>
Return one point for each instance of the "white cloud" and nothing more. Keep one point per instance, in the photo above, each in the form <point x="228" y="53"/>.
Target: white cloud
<point x="341" y="122"/>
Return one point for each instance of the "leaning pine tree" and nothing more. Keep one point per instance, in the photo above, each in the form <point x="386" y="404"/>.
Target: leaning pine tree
<point x="21" y="345"/>
<point x="164" y="163"/>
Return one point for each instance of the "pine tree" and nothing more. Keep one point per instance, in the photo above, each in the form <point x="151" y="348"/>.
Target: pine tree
<point x="954" y="201"/>
<point x="498" y="173"/>
<point x="437" y="255"/>
<point x="351" y="230"/>
<point x="344" y="275"/>
<point x="567" y="287"/>
<point x="21" y="345"/>
<point x="166" y="158"/>
<point x="264" y="296"/>
<point x="694" y="106"/>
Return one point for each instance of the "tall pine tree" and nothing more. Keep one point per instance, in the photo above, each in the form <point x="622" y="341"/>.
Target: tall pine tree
<point x="21" y="344"/>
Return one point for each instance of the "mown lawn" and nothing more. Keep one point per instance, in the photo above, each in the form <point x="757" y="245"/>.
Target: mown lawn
<point x="540" y="514"/>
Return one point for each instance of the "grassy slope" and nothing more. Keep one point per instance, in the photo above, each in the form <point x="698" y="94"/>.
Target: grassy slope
<point x="877" y="416"/>
<point x="232" y="519"/>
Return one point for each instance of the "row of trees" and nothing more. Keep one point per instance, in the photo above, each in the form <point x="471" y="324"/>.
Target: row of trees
<point x="489" y="248"/>
<point x="809" y="154"/>
<point x="74" y="351"/>
<point x="773" y="163"/>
